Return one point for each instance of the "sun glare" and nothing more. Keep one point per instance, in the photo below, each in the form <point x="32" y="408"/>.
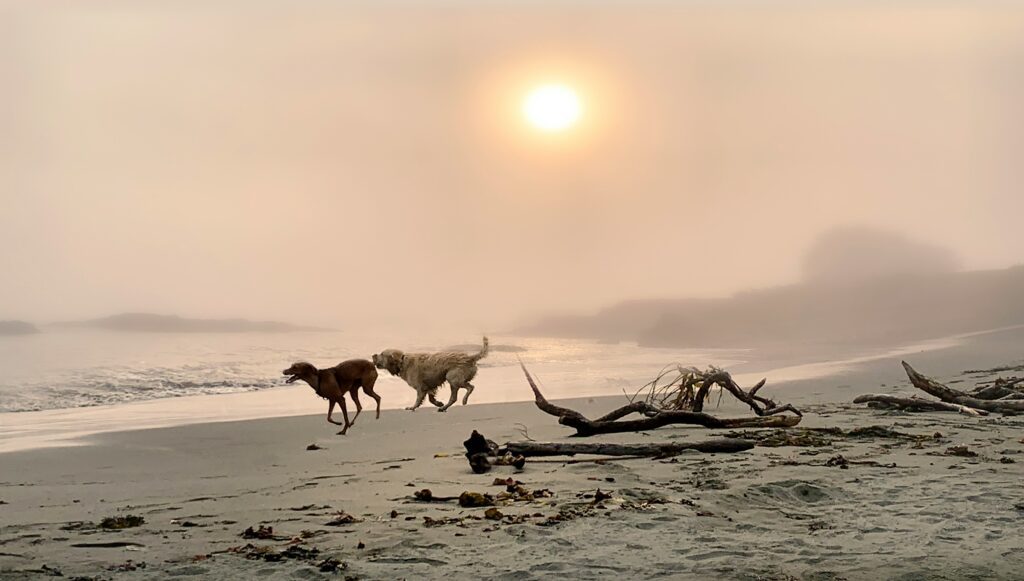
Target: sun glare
<point x="552" y="108"/>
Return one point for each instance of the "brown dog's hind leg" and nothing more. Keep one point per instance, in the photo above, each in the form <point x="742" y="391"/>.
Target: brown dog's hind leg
<point x="434" y="400"/>
<point x="469" y="390"/>
<point x="368" y="390"/>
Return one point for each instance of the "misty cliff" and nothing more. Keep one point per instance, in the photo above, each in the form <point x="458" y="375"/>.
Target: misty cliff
<point x="876" y="311"/>
<point x="17" y="328"/>
<point x="152" y="323"/>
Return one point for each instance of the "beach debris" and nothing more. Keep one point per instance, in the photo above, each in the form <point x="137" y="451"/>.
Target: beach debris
<point x="569" y="512"/>
<point x="361" y="545"/>
<point x="311" y="556"/>
<point x="261" y="532"/>
<point x="518" y="461"/>
<point x="128" y="565"/>
<point x="478" y="449"/>
<point x="767" y="411"/>
<point x="438" y="522"/>
<point x="519" y="493"/>
<point x="493" y="514"/>
<point x="475" y="499"/>
<point x="653" y="450"/>
<point x="307" y="507"/>
<point x="426" y="495"/>
<point x="342" y="518"/>
<point x="121" y="522"/>
<point x="1000" y="399"/>
<point x="820" y="437"/>
<point x="77" y="526"/>
<point x="331" y="565"/>
<point x="961" y="450"/>
<point x="313" y="447"/>
<point x="479" y="463"/>
<point x="107" y="545"/>
<point x="839" y="461"/>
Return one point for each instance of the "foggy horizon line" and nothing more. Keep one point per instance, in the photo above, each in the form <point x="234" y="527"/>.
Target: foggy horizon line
<point x="520" y="320"/>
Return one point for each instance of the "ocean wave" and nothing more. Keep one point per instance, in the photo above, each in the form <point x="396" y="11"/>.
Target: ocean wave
<point x="119" y="388"/>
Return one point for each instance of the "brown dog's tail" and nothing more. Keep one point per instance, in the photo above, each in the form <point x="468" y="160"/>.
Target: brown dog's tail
<point x="483" y="351"/>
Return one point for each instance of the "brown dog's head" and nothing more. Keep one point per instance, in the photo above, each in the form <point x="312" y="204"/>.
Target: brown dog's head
<point x="391" y="360"/>
<point x="301" y="370"/>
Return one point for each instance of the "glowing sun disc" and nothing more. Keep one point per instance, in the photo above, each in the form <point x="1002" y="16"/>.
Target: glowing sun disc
<point x="552" y="108"/>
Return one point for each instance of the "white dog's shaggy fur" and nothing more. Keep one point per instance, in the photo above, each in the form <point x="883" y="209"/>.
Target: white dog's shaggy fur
<point x="425" y="372"/>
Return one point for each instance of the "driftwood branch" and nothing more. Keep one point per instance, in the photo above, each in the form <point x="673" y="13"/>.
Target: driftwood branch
<point x="658" y="450"/>
<point x="928" y="385"/>
<point x="655" y="417"/>
<point x="916" y="404"/>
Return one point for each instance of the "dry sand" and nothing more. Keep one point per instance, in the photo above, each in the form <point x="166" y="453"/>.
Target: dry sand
<point x="908" y="511"/>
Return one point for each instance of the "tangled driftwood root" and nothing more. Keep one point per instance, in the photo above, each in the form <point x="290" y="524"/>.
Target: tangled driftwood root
<point x="656" y="417"/>
<point x="1001" y="397"/>
<point x="687" y="388"/>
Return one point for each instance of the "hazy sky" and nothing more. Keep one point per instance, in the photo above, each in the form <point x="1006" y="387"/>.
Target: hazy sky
<point x="341" y="161"/>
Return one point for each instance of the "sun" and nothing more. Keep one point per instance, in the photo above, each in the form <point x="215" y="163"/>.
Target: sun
<point x="552" y="108"/>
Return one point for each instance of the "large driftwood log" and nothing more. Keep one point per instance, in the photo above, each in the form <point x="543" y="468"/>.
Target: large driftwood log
<point x="950" y="395"/>
<point x="612" y="423"/>
<point x="917" y="404"/>
<point x="662" y="450"/>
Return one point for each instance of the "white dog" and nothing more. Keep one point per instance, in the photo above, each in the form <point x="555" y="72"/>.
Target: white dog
<point x="425" y="372"/>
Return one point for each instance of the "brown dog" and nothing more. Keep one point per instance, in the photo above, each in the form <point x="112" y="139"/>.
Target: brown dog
<point x="334" y="382"/>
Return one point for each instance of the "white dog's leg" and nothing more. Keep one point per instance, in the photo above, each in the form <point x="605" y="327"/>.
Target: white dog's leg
<point x="419" y="400"/>
<point x="451" y="400"/>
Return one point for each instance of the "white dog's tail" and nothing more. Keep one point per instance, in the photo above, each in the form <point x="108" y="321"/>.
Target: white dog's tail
<point x="483" y="351"/>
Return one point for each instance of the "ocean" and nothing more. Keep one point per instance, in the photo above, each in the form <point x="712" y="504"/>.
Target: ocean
<point x="84" y="368"/>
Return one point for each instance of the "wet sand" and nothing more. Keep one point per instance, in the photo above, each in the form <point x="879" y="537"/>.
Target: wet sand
<point x="903" y="508"/>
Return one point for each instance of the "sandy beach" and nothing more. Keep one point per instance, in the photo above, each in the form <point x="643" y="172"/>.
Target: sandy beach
<point x="902" y="507"/>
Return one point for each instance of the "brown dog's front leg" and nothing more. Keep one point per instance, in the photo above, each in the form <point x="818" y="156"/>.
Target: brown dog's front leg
<point x="330" y="412"/>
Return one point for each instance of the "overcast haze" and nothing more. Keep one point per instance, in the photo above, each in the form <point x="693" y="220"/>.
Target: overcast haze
<point x="334" y="162"/>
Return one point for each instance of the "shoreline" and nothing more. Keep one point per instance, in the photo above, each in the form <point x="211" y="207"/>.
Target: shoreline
<point x="20" y="431"/>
